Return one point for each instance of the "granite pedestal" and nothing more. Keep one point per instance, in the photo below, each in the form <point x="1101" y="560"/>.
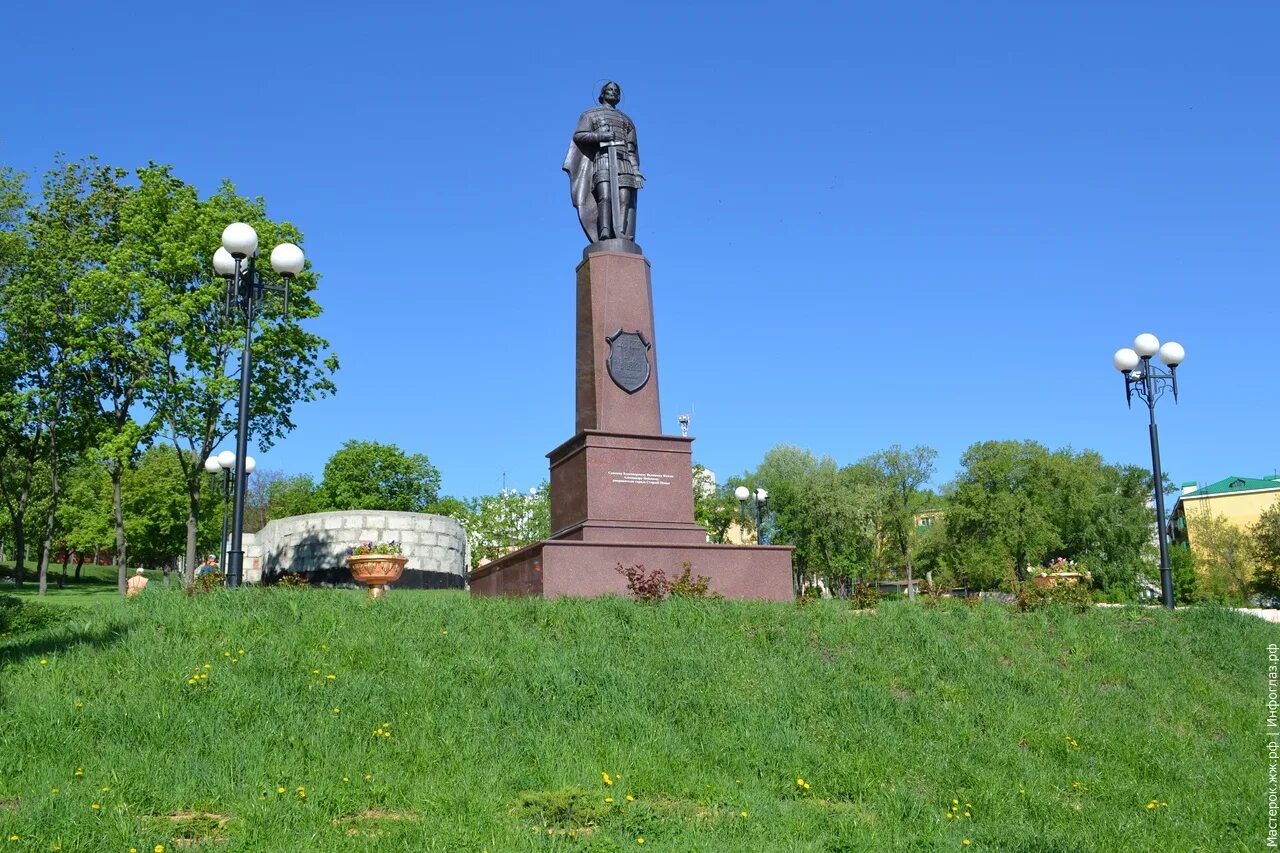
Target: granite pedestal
<point x="621" y="491"/>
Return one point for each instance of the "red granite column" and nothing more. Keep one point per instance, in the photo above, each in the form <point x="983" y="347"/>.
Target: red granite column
<point x="614" y="294"/>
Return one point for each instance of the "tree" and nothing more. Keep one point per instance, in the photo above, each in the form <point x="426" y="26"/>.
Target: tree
<point x="897" y="475"/>
<point x="501" y="523"/>
<point x="714" y="507"/>
<point x="85" y="512"/>
<point x="156" y="510"/>
<point x="199" y="385"/>
<point x="274" y="494"/>
<point x="824" y="511"/>
<point x="1264" y="545"/>
<point x="1222" y="556"/>
<point x="998" y="508"/>
<point x="370" y="475"/>
<point x="43" y="316"/>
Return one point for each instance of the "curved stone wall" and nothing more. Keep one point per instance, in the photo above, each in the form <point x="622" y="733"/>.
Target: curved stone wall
<point x="315" y="546"/>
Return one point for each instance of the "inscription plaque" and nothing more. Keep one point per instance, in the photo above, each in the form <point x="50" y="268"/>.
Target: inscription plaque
<point x="628" y="361"/>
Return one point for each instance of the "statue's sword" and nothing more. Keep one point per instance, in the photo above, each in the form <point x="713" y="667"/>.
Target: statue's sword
<point x="614" y="202"/>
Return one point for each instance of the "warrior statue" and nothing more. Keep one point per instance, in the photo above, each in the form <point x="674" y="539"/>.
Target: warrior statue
<point x="604" y="169"/>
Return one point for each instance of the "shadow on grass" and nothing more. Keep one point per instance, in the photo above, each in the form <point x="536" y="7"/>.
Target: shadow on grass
<point x="42" y="642"/>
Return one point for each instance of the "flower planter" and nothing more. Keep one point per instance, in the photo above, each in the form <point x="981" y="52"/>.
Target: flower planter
<point x="1054" y="578"/>
<point x="377" y="570"/>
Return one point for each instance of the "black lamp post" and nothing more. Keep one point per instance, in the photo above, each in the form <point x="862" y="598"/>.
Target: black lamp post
<point x="760" y="497"/>
<point x="226" y="463"/>
<point x="236" y="261"/>
<point x="1150" y="383"/>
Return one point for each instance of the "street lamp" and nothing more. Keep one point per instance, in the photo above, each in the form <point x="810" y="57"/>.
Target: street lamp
<point x="761" y="498"/>
<point x="1150" y="383"/>
<point x="236" y="262"/>
<point x="226" y="463"/>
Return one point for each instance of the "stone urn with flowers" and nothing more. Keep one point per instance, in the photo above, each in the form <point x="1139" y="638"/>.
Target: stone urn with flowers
<point x="1061" y="570"/>
<point x="376" y="564"/>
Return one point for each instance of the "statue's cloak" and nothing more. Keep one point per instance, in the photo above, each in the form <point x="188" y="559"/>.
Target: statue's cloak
<point x="579" y="165"/>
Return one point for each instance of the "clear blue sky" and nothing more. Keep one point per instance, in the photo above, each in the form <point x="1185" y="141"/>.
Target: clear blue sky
<point x="868" y="223"/>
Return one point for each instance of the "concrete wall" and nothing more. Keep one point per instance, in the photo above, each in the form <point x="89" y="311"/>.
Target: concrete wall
<point x="316" y="546"/>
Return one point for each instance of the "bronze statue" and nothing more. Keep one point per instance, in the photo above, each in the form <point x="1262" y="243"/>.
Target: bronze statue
<point x="604" y="169"/>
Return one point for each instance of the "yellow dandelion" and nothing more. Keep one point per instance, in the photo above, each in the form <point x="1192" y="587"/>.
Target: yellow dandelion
<point x="159" y="848"/>
<point x="742" y="814"/>
<point x="79" y="771"/>
<point x="280" y="789"/>
<point x="315" y="672"/>
<point x="13" y="837"/>
<point x="608" y="799"/>
<point x="331" y="677"/>
<point x="445" y="631"/>
<point x="226" y="654"/>
<point x="966" y="814"/>
<point x="1151" y="805"/>
<point x="965" y="842"/>
<point x="96" y="806"/>
<point x="337" y="710"/>
<point x="950" y="816"/>
<point x="1022" y="792"/>
<point x="44" y="661"/>
<point x="54" y="790"/>
<point x="630" y="799"/>
<point x="605" y="777"/>
<point x="345" y="780"/>
<point x="240" y="652"/>
<point x="368" y="776"/>
<point x="640" y="840"/>
<point x="207" y="666"/>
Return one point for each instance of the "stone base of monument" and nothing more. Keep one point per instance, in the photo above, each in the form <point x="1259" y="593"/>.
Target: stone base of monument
<point x="627" y="499"/>
<point x="554" y="568"/>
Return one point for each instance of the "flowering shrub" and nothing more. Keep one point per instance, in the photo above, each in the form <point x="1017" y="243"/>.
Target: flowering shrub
<point x="370" y="547"/>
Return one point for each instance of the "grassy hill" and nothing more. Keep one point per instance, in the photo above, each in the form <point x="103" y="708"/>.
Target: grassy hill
<point x="299" y="719"/>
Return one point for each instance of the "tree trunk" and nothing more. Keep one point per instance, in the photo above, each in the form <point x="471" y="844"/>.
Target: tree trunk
<point x="62" y="578"/>
<point x="911" y="587"/>
<point x="79" y="563"/>
<point x="192" y="522"/>
<point x="46" y="547"/>
<point x="117" y="507"/>
<point x="19" y="545"/>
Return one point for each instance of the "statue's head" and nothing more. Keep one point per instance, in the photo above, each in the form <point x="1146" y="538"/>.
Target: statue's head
<point x="610" y="93"/>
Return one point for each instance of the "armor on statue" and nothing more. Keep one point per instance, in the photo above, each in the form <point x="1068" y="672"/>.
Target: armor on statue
<point x="603" y="163"/>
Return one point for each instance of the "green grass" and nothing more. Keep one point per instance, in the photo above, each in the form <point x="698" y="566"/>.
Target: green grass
<point x="1058" y="728"/>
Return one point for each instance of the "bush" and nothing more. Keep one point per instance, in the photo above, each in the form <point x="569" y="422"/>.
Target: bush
<point x="865" y="596"/>
<point x="207" y="582"/>
<point x="1032" y="596"/>
<point x="653" y="586"/>
<point x="687" y="586"/>
<point x="19" y="617"/>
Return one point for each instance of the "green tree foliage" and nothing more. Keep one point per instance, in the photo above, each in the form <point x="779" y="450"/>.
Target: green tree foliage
<point x="896" y="476"/>
<point x="1264" y="544"/>
<point x="827" y="513"/>
<point x="1224" y="560"/>
<point x="501" y="523"/>
<point x="274" y="494"/>
<point x="111" y="319"/>
<point x="1015" y="505"/>
<point x="1185" y="575"/>
<point x="714" y="507"/>
<point x="85" y="514"/>
<point x="370" y="475"/>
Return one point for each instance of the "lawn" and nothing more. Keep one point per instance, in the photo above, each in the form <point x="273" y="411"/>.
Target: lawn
<point x="307" y="719"/>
